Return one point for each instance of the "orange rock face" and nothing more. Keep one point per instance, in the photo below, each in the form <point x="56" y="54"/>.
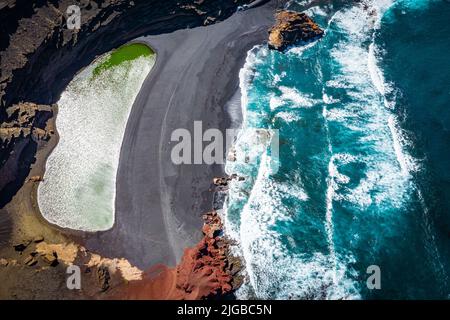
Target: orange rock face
<point x="292" y="28"/>
<point x="204" y="271"/>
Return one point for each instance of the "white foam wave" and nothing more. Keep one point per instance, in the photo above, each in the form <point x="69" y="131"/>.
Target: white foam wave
<point x="288" y="116"/>
<point x="407" y="163"/>
<point x="315" y="11"/>
<point x="298" y="50"/>
<point x="248" y="72"/>
<point x="293" y="98"/>
<point x="274" y="271"/>
<point x="278" y="77"/>
<point x="327" y="99"/>
<point x="298" y="99"/>
<point x="376" y="127"/>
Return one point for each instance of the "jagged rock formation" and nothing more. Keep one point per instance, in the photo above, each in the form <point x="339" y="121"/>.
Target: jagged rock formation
<point x="46" y="263"/>
<point x="206" y="270"/>
<point x="292" y="28"/>
<point x="24" y="120"/>
<point x="39" y="55"/>
<point x="24" y="127"/>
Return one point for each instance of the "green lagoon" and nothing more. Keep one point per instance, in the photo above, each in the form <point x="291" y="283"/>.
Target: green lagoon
<point x="79" y="185"/>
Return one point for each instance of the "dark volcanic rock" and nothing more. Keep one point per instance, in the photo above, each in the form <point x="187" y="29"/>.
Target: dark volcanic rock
<point x="23" y="120"/>
<point x="21" y="130"/>
<point x="20" y="247"/>
<point x="103" y="278"/>
<point x="292" y="28"/>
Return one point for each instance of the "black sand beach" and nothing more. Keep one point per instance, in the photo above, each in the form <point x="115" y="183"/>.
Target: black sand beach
<point x="159" y="204"/>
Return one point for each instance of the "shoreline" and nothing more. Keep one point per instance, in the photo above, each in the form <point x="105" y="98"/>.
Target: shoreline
<point x="39" y="168"/>
<point x="158" y="217"/>
<point x="159" y="205"/>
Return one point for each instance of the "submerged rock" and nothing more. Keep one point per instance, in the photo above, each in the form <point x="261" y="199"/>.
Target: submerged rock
<point x="292" y="28"/>
<point x="220" y="181"/>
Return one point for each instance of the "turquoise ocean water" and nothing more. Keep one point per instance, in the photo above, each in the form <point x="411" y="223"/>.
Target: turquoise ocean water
<point x="364" y="178"/>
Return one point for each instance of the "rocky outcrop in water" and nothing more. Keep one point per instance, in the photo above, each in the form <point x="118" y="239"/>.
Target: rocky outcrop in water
<point x="292" y="28"/>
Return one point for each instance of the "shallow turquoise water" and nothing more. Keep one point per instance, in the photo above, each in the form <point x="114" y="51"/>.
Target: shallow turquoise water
<point x="364" y="154"/>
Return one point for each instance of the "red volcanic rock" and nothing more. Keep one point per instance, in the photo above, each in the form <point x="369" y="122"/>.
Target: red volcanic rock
<point x="291" y="28"/>
<point x="203" y="272"/>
